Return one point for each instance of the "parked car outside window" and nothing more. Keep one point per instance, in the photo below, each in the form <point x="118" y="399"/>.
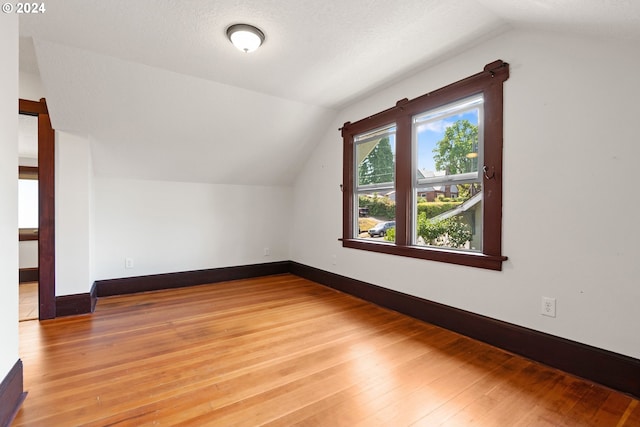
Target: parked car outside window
<point x="381" y="228"/>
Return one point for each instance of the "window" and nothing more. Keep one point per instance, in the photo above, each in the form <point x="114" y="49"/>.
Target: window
<point x="447" y="148"/>
<point x="423" y="179"/>
<point x="28" y="203"/>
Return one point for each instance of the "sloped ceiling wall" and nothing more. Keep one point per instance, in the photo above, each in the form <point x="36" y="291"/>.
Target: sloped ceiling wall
<point x="150" y="123"/>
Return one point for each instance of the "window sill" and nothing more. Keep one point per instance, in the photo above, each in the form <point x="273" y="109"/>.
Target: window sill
<point x="470" y="259"/>
<point x="26" y="234"/>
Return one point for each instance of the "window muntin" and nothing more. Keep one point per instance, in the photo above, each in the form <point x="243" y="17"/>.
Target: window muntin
<point x="374" y="195"/>
<point x="447" y="197"/>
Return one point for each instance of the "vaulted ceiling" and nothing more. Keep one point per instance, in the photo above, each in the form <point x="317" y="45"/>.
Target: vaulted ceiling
<point x="162" y="94"/>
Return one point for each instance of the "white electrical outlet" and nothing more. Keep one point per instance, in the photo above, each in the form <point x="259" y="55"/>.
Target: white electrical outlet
<point x="334" y="260"/>
<point x="128" y="263"/>
<point x="548" y="307"/>
<point x="267" y="252"/>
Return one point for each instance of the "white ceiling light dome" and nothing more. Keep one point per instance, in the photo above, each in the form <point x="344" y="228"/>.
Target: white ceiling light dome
<point x="246" y="38"/>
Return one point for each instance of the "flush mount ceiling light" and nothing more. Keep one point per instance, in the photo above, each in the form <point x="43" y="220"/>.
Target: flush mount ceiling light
<point x="245" y="37"/>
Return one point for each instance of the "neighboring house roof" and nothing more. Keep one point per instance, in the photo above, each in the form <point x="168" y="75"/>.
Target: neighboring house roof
<point x="440" y="189"/>
<point x="463" y="207"/>
<point x="424" y="173"/>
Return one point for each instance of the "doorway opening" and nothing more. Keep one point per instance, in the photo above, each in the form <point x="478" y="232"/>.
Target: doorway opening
<point x="46" y="205"/>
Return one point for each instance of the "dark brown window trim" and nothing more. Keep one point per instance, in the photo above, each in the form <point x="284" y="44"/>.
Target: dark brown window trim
<point x="471" y="259"/>
<point x="27" y="172"/>
<point x="26" y="234"/>
<point x="489" y="82"/>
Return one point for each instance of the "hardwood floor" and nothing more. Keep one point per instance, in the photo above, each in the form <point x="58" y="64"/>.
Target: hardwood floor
<point x="284" y="351"/>
<point x="28" y="306"/>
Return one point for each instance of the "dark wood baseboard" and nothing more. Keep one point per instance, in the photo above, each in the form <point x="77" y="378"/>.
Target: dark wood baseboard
<point x="71" y="305"/>
<point x="28" y="275"/>
<point x="11" y="394"/>
<point x="611" y="369"/>
<point x="154" y="282"/>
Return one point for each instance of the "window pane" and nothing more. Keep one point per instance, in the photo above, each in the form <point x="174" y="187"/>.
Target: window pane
<point x="27" y="203"/>
<point x="447" y="194"/>
<point x="376" y="216"/>
<point x="375" y="157"/>
<point x="375" y="154"/>
<point x="449" y="216"/>
<point x="447" y="140"/>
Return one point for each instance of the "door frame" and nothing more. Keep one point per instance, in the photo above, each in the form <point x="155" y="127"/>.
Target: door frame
<point x="46" y="206"/>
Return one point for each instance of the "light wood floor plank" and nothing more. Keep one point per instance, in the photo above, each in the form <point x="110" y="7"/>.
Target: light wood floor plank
<point x="284" y="351"/>
<point x="28" y="296"/>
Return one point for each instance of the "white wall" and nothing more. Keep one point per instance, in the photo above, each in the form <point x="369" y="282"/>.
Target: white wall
<point x="31" y="86"/>
<point x="28" y="254"/>
<point x="162" y="226"/>
<point x="175" y="226"/>
<point x="570" y="227"/>
<point x="73" y="187"/>
<point x="8" y="191"/>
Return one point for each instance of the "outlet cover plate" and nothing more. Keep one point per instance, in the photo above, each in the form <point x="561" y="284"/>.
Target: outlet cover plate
<point x="548" y="307"/>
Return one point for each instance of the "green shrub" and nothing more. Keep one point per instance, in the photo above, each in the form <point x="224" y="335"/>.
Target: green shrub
<point x="442" y="198"/>
<point x="384" y="208"/>
<point x="391" y="235"/>
<point x="379" y="206"/>
<point x="431" y="209"/>
<point x="458" y="232"/>
<point x="451" y="232"/>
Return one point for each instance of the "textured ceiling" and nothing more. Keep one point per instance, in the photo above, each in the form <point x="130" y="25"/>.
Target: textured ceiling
<point x="322" y="52"/>
<point x="163" y="95"/>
